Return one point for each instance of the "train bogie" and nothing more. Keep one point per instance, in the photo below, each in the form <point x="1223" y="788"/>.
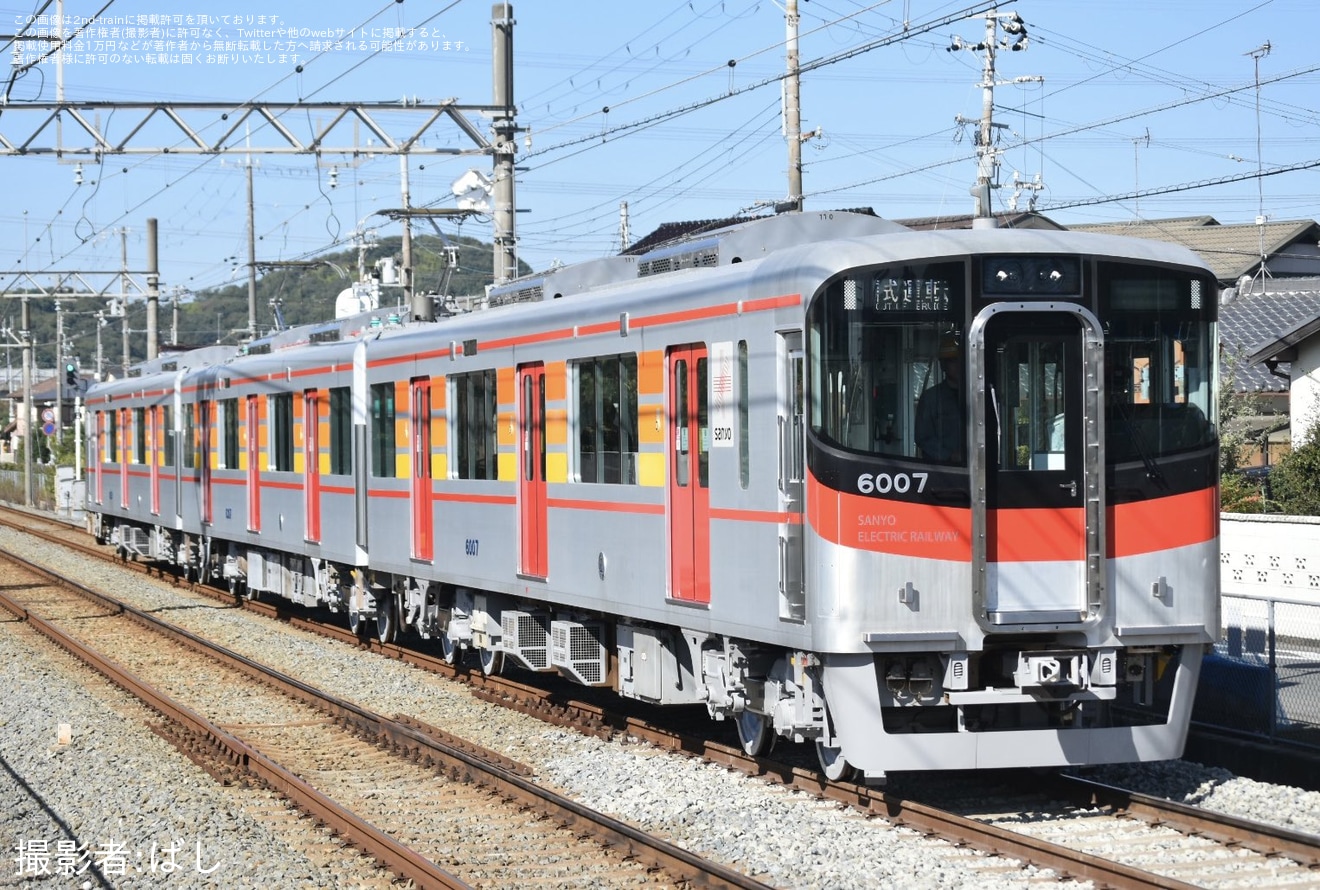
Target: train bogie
<point x="938" y="500"/>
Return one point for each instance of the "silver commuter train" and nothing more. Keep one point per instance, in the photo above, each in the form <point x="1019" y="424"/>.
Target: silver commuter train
<point x="707" y="475"/>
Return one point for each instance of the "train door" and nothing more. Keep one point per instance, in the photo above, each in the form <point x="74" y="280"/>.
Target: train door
<point x="125" y="443"/>
<point x="312" y="465"/>
<point x="532" y="537"/>
<point x="792" y="475"/>
<point x="102" y="452"/>
<point x="254" y="463"/>
<point x="153" y="456"/>
<point x="206" y="448"/>
<point x="689" y="476"/>
<point x="1038" y="442"/>
<point x="422" y="513"/>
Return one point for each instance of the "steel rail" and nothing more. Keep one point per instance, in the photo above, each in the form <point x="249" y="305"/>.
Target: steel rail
<point x="1298" y="846"/>
<point x="414" y="738"/>
<point x="401" y="859"/>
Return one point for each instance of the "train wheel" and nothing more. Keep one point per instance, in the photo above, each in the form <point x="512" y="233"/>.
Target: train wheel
<point x="756" y="732"/>
<point x="835" y="766"/>
<point x="449" y="649"/>
<point x="357" y="623"/>
<point x="492" y="661"/>
<point x="387" y="620"/>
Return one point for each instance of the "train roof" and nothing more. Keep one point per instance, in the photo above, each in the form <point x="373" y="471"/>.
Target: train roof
<point x="740" y="242"/>
<point x="797" y="252"/>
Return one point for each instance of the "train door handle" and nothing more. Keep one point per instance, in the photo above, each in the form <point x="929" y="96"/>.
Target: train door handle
<point x="1071" y="486"/>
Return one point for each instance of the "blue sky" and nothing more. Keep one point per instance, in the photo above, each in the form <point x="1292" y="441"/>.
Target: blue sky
<point x="1149" y="95"/>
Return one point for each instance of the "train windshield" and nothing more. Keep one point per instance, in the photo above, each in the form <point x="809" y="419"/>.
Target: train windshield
<point x="887" y="357"/>
<point x="1159" y="360"/>
<point x="886" y="362"/>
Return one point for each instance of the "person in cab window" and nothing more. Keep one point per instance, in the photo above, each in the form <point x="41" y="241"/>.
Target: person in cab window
<point x="941" y="414"/>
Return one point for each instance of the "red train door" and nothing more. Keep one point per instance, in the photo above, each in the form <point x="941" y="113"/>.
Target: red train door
<point x="125" y="442"/>
<point x="312" y="465"/>
<point x="532" y="551"/>
<point x="253" y="464"/>
<point x="423" y="543"/>
<point x="205" y="423"/>
<point x="103" y="451"/>
<point x="153" y="456"/>
<point x="689" y="482"/>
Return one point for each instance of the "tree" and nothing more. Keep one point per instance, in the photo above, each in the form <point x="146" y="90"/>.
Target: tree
<point x="1295" y="480"/>
<point x="1237" y="493"/>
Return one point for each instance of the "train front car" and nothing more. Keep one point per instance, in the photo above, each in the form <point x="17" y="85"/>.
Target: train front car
<point x="1012" y="502"/>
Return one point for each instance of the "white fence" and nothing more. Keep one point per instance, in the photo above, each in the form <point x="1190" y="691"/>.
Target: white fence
<point x="1265" y="678"/>
<point x="1270" y="556"/>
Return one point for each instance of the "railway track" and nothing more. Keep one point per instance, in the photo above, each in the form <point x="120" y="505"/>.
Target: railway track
<point x="1219" y="850"/>
<point x="436" y="813"/>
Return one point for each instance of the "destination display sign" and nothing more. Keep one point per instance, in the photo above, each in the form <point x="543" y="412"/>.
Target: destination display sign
<point x="891" y="294"/>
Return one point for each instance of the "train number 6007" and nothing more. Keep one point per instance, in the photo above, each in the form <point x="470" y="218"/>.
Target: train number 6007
<point x="884" y="483"/>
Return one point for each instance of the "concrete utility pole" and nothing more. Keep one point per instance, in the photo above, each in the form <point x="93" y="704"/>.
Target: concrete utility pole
<point x="987" y="156"/>
<point x="505" y="131"/>
<point x="123" y="246"/>
<point x="25" y="334"/>
<point x="793" y="110"/>
<point x="60" y="356"/>
<point x="418" y="307"/>
<point x="252" y="256"/>
<point x="153" y="291"/>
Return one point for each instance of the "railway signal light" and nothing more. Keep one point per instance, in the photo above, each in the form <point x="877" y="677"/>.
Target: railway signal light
<point x="71" y="373"/>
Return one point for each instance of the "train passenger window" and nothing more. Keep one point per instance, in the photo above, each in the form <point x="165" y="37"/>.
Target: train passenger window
<point x="605" y="411"/>
<point x="1033" y="397"/>
<point x="229" y="434"/>
<point x="111" y="436"/>
<point x="139" y="435"/>
<point x="879" y="339"/>
<point x="167" y="426"/>
<point x="1159" y="360"/>
<point x="341" y="431"/>
<point x="475" y="449"/>
<point x="280" y="408"/>
<point x="383" y="441"/>
<point x="189" y="437"/>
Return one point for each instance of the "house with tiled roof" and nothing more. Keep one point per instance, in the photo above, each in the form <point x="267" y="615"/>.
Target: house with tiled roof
<point x="1269" y="313"/>
<point x="1291" y="349"/>
<point x="1291" y="248"/>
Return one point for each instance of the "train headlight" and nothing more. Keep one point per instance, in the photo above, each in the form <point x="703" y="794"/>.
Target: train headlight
<point x="896" y="680"/>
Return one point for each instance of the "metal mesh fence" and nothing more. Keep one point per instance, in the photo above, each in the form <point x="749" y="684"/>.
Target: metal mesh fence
<point x="1263" y="677"/>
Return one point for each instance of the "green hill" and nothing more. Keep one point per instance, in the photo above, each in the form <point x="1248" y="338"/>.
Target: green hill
<point x="305" y="294"/>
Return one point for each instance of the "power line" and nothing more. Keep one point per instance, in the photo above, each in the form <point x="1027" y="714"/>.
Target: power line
<point x="806" y="67"/>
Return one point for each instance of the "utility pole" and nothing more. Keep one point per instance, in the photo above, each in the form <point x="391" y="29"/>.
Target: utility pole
<point x="793" y="110"/>
<point x="153" y="291"/>
<point x="505" y="131"/>
<point x="1257" y="54"/>
<point x="59" y="368"/>
<point x="987" y="156"/>
<point x="25" y="333"/>
<point x="419" y="307"/>
<point x="625" y="236"/>
<point x="123" y="242"/>
<point x="100" y="355"/>
<point x="252" y="256"/>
